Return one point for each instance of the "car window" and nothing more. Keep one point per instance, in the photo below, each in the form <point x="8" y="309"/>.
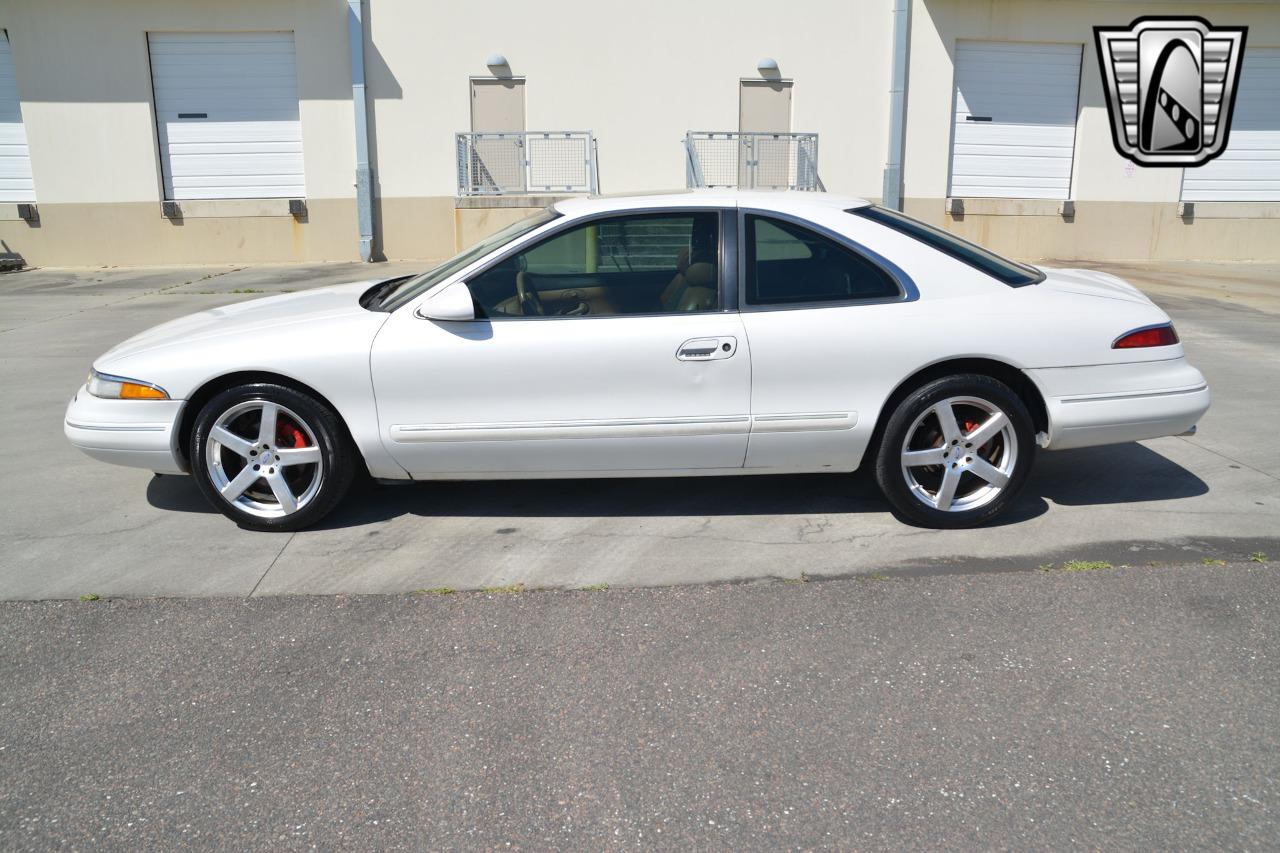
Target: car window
<point x="410" y="288"/>
<point x="789" y="264"/>
<point x="653" y="263"/>
<point x="1002" y="269"/>
<point x="775" y="244"/>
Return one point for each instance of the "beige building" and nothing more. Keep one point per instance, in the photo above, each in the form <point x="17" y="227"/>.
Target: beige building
<point x="150" y="132"/>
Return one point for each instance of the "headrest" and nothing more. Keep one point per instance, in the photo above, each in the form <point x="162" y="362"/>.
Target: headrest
<point x="701" y="275"/>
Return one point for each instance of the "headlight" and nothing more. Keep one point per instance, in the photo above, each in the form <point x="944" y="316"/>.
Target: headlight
<point x="118" y="388"/>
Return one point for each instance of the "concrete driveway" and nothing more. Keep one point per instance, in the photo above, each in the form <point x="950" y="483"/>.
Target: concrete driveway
<point x="70" y="526"/>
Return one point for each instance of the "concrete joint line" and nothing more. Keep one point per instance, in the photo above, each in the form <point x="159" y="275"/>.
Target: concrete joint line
<point x="271" y="565"/>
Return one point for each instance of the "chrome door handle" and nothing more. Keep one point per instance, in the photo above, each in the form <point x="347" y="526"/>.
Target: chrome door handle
<point x="707" y="349"/>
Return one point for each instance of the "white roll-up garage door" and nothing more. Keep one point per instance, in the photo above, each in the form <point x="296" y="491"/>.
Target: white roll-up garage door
<point x="15" y="161"/>
<point x="1015" y="119"/>
<point x="1249" y="170"/>
<point x="227" y="115"/>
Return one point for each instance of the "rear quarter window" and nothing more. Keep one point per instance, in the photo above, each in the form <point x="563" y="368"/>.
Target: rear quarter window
<point x="1000" y="268"/>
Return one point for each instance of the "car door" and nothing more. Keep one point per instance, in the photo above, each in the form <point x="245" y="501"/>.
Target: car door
<point x="607" y="346"/>
<point x="815" y="308"/>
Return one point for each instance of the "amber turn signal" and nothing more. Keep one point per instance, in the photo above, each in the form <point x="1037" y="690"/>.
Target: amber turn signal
<point x="134" y="391"/>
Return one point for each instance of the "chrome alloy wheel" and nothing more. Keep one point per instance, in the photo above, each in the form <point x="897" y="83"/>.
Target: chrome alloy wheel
<point x="959" y="454"/>
<point x="263" y="459"/>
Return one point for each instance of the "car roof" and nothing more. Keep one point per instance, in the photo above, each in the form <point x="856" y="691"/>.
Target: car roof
<point x="784" y="201"/>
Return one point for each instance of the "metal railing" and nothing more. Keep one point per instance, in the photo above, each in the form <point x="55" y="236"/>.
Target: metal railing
<point x="776" y="161"/>
<point x="518" y="162"/>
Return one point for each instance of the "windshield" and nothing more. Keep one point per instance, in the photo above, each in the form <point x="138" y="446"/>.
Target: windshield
<point x="410" y="288"/>
<point x="1010" y="272"/>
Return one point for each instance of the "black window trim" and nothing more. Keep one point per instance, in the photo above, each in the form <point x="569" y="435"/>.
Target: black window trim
<point x="907" y="290"/>
<point x="565" y="224"/>
<point x="1035" y="274"/>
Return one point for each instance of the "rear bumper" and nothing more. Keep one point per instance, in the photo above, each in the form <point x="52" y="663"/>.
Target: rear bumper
<point x="136" y="433"/>
<point x="1109" y="404"/>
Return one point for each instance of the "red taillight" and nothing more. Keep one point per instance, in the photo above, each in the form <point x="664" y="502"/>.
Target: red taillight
<point x="1153" y="336"/>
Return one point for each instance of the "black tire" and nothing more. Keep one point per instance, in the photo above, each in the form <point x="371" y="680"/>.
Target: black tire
<point x="889" y="470"/>
<point x="337" y="457"/>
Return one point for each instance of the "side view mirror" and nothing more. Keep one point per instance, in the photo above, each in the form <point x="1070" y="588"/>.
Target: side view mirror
<point x="453" y="303"/>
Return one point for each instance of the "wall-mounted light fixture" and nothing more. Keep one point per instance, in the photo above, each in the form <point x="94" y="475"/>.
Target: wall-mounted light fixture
<point x="768" y="67"/>
<point x="498" y="65"/>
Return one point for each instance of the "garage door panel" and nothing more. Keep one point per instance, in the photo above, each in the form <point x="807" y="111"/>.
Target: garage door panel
<point x="1045" y="167"/>
<point x="1248" y="191"/>
<point x="232" y="131"/>
<point x="1054" y="109"/>
<point x="1009" y="192"/>
<point x="237" y="147"/>
<point x="1020" y="135"/>
<point x="1027" y="98"/>
<point x="14" y="168"/>
<point x="1238" y="169"/>
<point x="227" y="181"/>
<point x="1009" y="136"/>
<point x="968" y="148"/>
<point x="239" y="135"/>
<point x="1249" y="169"/>
<point x="1021" y="182"/>
<point x="996" y="72"/>
<point x="232" y="165"/>
<point x="239" y="191"/>
<point x="216" y="92"/>
<point x="16" y="184"/>
<point x="1249" y="144"/>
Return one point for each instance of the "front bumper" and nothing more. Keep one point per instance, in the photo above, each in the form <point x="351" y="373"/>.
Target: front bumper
<point x="136" y="433"/>
<point x="1114" y="403"/>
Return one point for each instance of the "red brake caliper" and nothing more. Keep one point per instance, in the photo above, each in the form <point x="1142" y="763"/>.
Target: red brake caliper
<point x="288" y="435"/>
<point x="970" y="426"/>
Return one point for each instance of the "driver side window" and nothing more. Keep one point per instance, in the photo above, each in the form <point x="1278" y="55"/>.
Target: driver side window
<point x="651" y="263"/>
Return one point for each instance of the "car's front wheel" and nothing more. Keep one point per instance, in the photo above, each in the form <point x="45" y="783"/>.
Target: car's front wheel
<point x="956" y="452"/>
<point x="270" y="457"/>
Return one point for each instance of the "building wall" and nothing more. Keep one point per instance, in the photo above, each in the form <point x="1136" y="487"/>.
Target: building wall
<point x="1121" y="212"/>
<point x="85" y="82"/>
<point x="638" y="75"/>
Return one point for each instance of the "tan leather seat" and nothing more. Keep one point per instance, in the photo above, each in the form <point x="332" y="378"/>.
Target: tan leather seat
<point x="700" y="291"/>
<point x="670" y="296"/>
<point x="692" y="289"/>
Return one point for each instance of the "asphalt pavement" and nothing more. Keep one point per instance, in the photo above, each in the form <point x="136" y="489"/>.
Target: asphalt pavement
<point x="1103" y="708"/>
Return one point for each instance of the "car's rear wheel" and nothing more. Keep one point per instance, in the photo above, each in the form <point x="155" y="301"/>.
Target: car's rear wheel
<point x="956" y="452"/>
<point x="270" y="457"/>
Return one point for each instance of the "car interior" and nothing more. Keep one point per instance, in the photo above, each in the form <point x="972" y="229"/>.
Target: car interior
<point x="641" y="264"/>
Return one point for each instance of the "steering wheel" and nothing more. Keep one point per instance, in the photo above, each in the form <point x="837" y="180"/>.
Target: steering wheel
<point x="530" y="302"/>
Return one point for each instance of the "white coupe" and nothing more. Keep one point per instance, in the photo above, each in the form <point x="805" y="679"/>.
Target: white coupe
<point x="690" y="334"/>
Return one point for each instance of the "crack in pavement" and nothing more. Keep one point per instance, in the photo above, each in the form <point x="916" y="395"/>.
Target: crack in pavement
<point x="1222" y="455"/>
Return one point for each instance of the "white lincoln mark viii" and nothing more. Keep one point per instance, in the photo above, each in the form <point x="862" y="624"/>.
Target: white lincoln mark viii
<point x="697" y="333"/>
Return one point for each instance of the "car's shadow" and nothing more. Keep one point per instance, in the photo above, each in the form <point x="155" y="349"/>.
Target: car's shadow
<point x="1125" y="473"/>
